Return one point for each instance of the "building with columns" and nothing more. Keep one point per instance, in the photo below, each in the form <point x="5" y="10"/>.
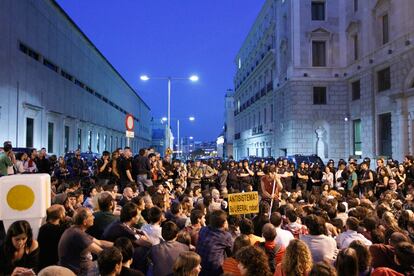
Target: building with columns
<point x="58" y="91"/>
<point x="342" y="80"/>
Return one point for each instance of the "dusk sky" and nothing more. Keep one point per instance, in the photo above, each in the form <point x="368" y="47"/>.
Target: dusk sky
<point x="172" y="38"/>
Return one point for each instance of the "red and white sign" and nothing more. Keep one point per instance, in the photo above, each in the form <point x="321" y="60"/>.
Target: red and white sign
<point x="129" y="122"/>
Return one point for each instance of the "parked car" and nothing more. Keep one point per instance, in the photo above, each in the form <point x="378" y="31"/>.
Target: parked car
<point x="89" y="157"/>
<point x="311" y="159"/>
<point x="17" y="150"/>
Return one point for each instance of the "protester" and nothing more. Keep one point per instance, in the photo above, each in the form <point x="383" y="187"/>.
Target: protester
<point x="369" y="213"/>
<point x="164" y="254"/>
<point x="187" y="264"/>
<point x="50" y="234"/>
<point x="213" y="243"/>
<point x="110" y="262"/>
<point x="19" y="252"/>
<point x="347" y="262"/>
<point x="322" y="247"/>
<point x="230" y="264"/>
<point x="294" y="263"/>
<point x="274" y="251"/>
<point x="253" y="261"/>
<point x="76" y="246"/>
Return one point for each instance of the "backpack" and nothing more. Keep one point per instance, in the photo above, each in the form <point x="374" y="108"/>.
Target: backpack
<point x="271" y="254"/>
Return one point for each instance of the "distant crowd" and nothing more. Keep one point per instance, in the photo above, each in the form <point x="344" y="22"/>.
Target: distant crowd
<point x="147" y="215"/>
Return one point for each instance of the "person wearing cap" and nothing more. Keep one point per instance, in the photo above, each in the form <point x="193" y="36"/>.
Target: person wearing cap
<point x="7" y="158"/>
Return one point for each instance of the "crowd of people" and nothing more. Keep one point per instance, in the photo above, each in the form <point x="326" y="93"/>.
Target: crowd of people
<point x="147" y="215"/>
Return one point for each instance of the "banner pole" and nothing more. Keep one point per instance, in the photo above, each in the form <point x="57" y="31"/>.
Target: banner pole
<point x="271" y="202"/>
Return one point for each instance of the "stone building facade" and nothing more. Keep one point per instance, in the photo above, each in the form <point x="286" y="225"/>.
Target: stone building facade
<point x="58" y="91"/>
<point x="253" y="96"/>
<point x="342" y="80"/>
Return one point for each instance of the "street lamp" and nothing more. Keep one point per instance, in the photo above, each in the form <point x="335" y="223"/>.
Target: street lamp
<point x="191" y="119"/>
<point x="193" y="78"/>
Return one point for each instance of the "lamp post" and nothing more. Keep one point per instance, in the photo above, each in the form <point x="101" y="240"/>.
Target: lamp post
<point x="193" y="78"/>
<point x="191" y="119"/>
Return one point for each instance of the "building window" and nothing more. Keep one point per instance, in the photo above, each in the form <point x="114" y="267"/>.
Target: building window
<point x="79" y="139"/>
<point x="271" y="113"/>
<point x="98" y="142"/>
<point x="319" y="95"/>
<point x="319" y="53"/>
<point x="111" y="146"/>
<point x="66" y="139"/>
<point x="50" y="130"/>
<point x="357" y="137"/>
<point x="66" y="75"/>
<point x="356" y="90"/>
<point x="23" y="48"/>
<point x="385" y="135"/>
<point x="50" y="65"/>
<point x="318" y="10"/>
<point x="385" y="29"/>
<point x="29" y="132"/>
<point x="263" y="150"/>
<point x="384" y="79"/>
<point x="257" y="152"/>
<point x="89" y="140"/>
<point x="265" y="115"/>
<point x="104" y="142"/>
<point x="356" y="42"/>
<point x="355" y="5"/>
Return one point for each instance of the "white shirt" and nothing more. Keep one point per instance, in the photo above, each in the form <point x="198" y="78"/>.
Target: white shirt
<point x="153" y="232"/>
<point x="283" y="237"/>
<point x="344" y="239"/>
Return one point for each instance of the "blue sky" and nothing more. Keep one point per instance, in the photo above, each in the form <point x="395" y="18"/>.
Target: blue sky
<point x="172" y="38"/>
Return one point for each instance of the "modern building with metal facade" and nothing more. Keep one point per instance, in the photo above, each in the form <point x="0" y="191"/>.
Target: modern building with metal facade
<point x="342" y="80"/>
<point x="57" y="89"/>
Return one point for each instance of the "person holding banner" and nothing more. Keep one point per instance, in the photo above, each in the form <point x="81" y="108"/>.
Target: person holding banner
<point x="271" y="186"/>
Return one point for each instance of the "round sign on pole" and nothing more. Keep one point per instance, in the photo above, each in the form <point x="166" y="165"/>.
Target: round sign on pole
<point x="129" y="122"/>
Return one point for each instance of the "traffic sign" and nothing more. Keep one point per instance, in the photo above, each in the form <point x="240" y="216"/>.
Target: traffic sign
<point x="129" y="134"/>
<point x="168" y="151"/>
<point x="129" y="122"/>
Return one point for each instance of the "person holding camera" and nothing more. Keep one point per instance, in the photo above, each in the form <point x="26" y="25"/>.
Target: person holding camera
<point x="7" y="158"/>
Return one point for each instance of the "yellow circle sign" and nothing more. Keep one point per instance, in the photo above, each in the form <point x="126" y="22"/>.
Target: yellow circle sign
<point x="20" y="197"/>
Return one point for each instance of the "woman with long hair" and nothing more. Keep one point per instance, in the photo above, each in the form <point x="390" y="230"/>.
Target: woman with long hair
<point x="347" y="262"/>
<point x="390" y="224"/>
<point x="253" y="261"/>
<point x="364" y="257"/>
<point x="19" y="252"/>
<point x="61" y="170"/>
<point x="382" y="182"/>
<point x="187" y="264"/>
<point x="401" y="176"/>
<point x="297" y="260"/>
